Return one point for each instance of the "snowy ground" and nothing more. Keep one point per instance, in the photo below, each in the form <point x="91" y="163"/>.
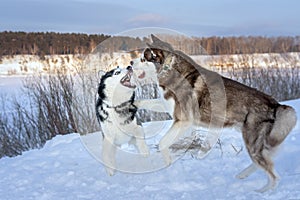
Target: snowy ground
<point x="64" y="169"/>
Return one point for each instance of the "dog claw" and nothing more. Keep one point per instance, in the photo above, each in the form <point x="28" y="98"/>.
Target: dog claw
<point x="110" y="172"/>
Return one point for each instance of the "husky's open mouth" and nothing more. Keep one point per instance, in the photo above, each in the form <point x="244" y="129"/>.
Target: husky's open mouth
<point x="142" y="75"/>
<point x="126" y="80"/>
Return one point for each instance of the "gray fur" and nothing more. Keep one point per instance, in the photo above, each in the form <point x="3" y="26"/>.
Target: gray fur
<point x="204" y="98"/>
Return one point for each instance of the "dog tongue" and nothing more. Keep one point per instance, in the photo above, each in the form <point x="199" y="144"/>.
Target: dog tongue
<point x="126" y="81"/>
<point x="142" y="75"/>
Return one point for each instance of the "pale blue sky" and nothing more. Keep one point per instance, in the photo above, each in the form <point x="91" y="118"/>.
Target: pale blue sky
<point x="192" y="17"/>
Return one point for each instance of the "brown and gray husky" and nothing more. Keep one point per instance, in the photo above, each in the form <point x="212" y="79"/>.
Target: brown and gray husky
<point x="204" y="98"/>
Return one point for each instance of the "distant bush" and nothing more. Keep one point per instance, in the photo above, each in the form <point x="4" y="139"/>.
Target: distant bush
<point x="48" y="105"/>
<point x="18" y="130"/>
<point x="282" y="83"/>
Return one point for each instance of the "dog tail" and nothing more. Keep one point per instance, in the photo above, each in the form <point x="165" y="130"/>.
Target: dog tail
<point x="285" y="121"/>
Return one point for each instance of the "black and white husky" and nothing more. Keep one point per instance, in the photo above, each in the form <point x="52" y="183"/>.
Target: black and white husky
<point x="116" y="111"/>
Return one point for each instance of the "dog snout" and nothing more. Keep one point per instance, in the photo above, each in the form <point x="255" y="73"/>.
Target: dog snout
<point x="129" y="68"/>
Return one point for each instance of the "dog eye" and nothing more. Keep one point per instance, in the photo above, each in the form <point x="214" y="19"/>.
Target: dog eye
<point x="117" y="72"/>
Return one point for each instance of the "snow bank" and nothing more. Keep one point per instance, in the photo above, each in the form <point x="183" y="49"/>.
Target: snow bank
<point x="264" y="60"/>
<point x="64" y="169"/>
<point x="31" y="64"/>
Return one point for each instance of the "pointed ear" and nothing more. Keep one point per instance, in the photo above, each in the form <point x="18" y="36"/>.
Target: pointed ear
<point x="100" y="74"/>
<point x="155" y="39"/>
<point x="159" y="44"/>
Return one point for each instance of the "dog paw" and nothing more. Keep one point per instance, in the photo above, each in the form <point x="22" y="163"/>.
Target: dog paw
<point x="204" y="150"/>
<point x="269" y="186"/>
<point x="145" y="153"/>
<point x="110" y="171"/>
<point x="244" y="174"/>
<point x="263" y="189"/>
<point x="241" y="176"/>
<point x="168" y="161"/>
<point x="167" y="157"/>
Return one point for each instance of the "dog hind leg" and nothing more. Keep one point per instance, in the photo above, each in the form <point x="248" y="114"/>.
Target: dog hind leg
<point x="255" y="135"/>
<point x="283" y="124"/>
<point x="108" y="156"/>
<point x="267" y="164"/>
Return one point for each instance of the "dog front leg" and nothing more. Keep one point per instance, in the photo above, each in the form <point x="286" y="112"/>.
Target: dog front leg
<point x="140" y="141"/>
<point x="177" y="130"/>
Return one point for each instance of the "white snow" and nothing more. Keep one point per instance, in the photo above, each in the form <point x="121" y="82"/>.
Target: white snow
<point x="64" y="169"/>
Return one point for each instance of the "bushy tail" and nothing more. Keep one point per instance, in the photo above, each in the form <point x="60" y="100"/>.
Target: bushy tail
<point x="284" y="122"/>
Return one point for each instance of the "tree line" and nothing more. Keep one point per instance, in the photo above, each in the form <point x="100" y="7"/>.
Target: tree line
<point x="49" y="43"/>
<point x="249" y="44"/>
